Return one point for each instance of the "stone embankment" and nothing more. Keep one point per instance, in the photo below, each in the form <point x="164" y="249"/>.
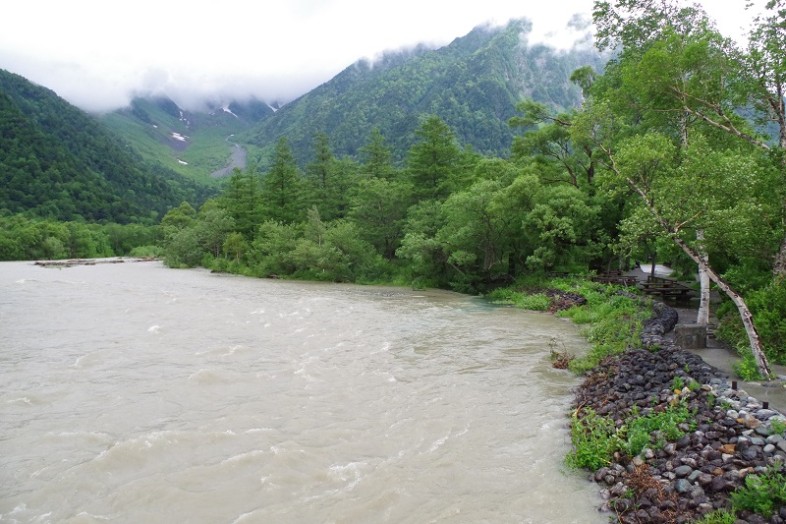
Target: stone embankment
<point x="730" y="435"/>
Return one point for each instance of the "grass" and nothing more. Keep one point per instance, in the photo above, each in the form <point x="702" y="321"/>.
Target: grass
<point x="596" y="438"/>
<point x="656" y="428"/>
<point x="594" y="441"/>
<point x="611" y="321"/>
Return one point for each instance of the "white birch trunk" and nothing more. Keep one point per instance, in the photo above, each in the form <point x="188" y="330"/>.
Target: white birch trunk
<point x="703" y="316"/>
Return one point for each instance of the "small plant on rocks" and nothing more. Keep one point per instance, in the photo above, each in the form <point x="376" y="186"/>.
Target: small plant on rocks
<point x="719" y="516"/>
<point x="560" y="357"/>
<point x="778" y="426"/>
<point x="762" y="494"/>
<point x="665" y="425"/>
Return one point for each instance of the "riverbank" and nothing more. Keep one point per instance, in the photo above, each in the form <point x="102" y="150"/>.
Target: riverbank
<point x="71" y="262"/>
<point x="681" y="437"/>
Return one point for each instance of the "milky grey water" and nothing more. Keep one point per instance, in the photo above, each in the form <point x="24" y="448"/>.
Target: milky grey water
<point x="135" y="393"/>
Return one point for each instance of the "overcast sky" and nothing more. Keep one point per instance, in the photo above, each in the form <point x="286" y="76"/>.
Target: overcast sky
<point x="98" y="53"/>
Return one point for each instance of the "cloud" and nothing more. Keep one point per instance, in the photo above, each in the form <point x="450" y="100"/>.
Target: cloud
<point x="98" y="54"/>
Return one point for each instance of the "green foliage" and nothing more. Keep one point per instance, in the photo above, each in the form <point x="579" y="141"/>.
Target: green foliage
<point x="147" y="252"/>
<point x="746" y="367"/>
<point x="768" y="306"/>
<point x="59" y="163"/>
<point x="283" y="187"/>
<point x="615" y="322"/>
<point x="23" y="238"/>
<point x="777" y="426"/>
<point x="433" y="159"/>
<point x="762" y="493"/>
<point x="533" y="302"/>
<point x="655" y="429"/>
<point x="594" y="441"/>
<point x="719" y="516"/>
<point x="596" y="438"/>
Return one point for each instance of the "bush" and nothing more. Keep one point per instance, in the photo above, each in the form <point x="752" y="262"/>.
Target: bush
<point x="147" y="252"/>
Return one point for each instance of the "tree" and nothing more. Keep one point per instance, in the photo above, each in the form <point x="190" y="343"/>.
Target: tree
<point x="242" y="198"/>
<point x="433" y="159"/>
<point x="377" y="158"/>
<point x="676" y="80"/>
<point x="320" y="179"/>
<point x="378" y="207"/>
<point x="647" y="164"/>
<point x="282" y="187"/>
<point x="551" y="142"/>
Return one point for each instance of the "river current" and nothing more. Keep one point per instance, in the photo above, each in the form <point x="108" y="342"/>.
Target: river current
<point x="133" y="393"/>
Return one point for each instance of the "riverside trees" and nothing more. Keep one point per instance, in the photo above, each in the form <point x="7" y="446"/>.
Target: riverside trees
<point x="669" y="117"/>
<point x="664" y="151"/>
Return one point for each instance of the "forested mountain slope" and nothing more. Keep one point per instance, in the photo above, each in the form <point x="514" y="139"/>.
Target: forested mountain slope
<point x="58" y="162"/>
<point x="473" y="84"/>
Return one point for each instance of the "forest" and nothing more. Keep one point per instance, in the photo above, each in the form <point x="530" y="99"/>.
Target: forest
<point x="676" y="154"/>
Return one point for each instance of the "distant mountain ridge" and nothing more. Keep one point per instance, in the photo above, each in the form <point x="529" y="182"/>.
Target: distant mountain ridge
<point x="196" y="144"/>
<point x="473" y="84"/>
<point x="56" y="161"/>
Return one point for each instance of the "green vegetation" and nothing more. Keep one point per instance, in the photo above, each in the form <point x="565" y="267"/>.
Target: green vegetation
<point x="57" y="162"/>
<point x="596" y="438"/>
<point x="24" y="238"/>
<point x="763" y="493"/>
<point x="655" y="429"/>
<point x="719" y="516"/>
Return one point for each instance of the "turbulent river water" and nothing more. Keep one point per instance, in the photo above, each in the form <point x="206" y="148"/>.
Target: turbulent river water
<point x="135" y="393"/>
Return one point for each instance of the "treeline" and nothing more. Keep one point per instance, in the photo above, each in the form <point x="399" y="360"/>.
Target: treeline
<point x="447" y="218"/>
<point x="25" y="238"/>
<point x="658" y="164"/>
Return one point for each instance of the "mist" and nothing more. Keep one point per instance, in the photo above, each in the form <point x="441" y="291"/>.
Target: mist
<point x="99" y="55"/>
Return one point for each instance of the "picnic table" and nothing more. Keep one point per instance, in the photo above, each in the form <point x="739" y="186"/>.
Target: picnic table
<point x="615" y="277"/>
<point x="665" y="287"/>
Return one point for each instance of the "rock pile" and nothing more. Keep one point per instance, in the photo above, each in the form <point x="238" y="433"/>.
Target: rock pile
<point x="730" y="435"/>
<point x="561" y="300"/>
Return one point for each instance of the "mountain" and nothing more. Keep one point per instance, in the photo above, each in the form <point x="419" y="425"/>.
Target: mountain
<point x="57" y="161"/>
<point x="473" y="84"/>
<point x="198" y="144"/>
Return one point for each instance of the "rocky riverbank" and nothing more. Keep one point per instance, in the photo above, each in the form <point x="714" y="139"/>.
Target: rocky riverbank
<point x="727" y="437"/>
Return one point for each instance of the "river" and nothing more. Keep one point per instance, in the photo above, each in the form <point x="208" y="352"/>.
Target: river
<point x="135" y="393"/>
